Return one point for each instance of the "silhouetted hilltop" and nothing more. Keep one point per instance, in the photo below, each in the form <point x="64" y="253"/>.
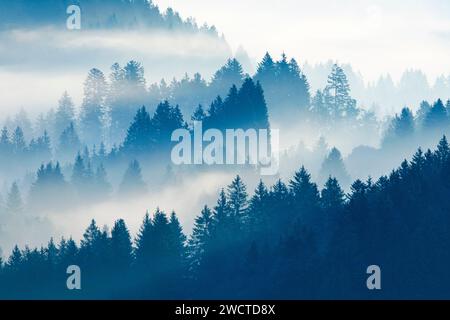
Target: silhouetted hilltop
<point x="95" y="14"/>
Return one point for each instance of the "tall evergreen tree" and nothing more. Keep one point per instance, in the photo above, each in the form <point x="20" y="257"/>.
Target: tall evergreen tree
<point x="69" y="143"/>
<point x="121" y="246"/>
<point x="93" y="107"/>
<point x="238" y="199"/>
<point x="227" y="76"/>
<point x="18" y="141"/>
<point x="139" y="137"/>
<point x="132" y="182"/>
<point x="200" y="237"/>
<point x="65" y="114"/>
<point x="305" y="196"/>
<point x="14" y="204"/>
<point x="334" y="166"/>
<point x="338" y="98"/>
<point x="437" y="118"/>
<point x="102" y="186"/>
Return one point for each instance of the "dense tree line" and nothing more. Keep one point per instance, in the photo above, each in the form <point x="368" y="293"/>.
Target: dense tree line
<point x="110" y="102"/>
<point x="407" y="129"/>
<point x="288" y="241"/>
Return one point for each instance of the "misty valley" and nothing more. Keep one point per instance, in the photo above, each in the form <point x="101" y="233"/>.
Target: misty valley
<point x="238" y="178"/>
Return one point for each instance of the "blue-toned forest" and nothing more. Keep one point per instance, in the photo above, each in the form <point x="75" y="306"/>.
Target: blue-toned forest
<point x="290" y="239"/>
<point x="355" y="188"/>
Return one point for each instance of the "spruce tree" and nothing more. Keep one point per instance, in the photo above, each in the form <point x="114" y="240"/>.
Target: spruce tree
<point x="14" y="204"/>
<point x="121" y="246"/>
<point x="198" y="242"/>
<point x="334" y="166"/>
<point x="18" y="141"/>
<point x="65" y="114"/>
<point x="132" y="182"/>
<point x="93" y="108"/>
<point x="139" y="137"/>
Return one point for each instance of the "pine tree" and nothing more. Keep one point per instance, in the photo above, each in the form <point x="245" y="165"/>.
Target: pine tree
<point x="143" y="243"/>
<point x="227" y="76"/>
<point x="90" y="247"/>
<point x="339" y="101"/>
<point x="176" y="252"/>
<point x="15" y="260"/>
<point x="437" y="118"/>
<point x="200" y="237"/>
<point x="165" y="120"/>
<point x="422" y="113"/>
<point x="51" y="253"/>
<point x="132" y="182"/>
<point x="443" y="151"/>
<point x="5" y="142"/>
<point x="401" y="128"/>
<point x="102" y="185"/>
<point x="305" y="196"/>
<point x="93" y="108"/>
<point x="237" y="195"/>
<point x="14" y="204"/>
<point x="199" y="114"/>
<point x="221" y="210"/>
<point x="265" y="72"/>
<point x="69" y="143"/>
<point x="121" y="246"/>
<point x="129" y="91"/>
<point x="18" y="141"/>
<point x="177" y="237"/>
<point x="334" y="166"/>
<point x="22" y="120"/>
<point x="332" y="196"/>
<point x="79" y="173"/>
<point x="140" y="134"/>
<point x="258" y="218"/>
<point x="318" y="106"/>
<point x="65" y="114"/>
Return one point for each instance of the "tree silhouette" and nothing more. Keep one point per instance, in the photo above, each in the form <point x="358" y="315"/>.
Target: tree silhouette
<point x="132" y="182"/>
<point x="93" y="108"/>
<point x="14" y="204"/>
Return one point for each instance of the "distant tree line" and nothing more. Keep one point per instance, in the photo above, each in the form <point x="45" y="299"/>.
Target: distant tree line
<point x="289" y="241"/>
<point x="109" y="14"/>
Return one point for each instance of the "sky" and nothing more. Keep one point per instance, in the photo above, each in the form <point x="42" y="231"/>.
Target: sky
<point x="375" y="36"/>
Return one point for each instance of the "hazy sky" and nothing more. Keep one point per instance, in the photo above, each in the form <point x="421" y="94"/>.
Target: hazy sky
<point x="376" y="36"/>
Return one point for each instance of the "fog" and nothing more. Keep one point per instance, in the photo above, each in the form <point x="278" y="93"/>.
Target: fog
<point x="70" y="221"/>
<point x="37" y="65"/>
<point x="375" y="36"/>
<point x="384" y="49"/>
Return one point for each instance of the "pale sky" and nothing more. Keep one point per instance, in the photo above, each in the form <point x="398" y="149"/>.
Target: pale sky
<point x="375" y="36"/>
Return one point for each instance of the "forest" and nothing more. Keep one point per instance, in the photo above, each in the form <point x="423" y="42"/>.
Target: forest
<point x="308" y="232"/>
<point x="291" y="240"/>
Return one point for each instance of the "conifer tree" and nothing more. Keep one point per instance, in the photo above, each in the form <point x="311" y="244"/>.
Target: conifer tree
<point x="339" y="101"/>
<point x="93" y="108"/>
<point x="200" y="237"/>
<point x="334" y="166"/>
<point x="14" y="204"/>
<point x="18" y="141"/>
<point x="65" y="114"/>
<point x="132" y="182"/>
<point x="121" y="246"/>
<point x="238" y="202"/>
<point x="139" y="137"/>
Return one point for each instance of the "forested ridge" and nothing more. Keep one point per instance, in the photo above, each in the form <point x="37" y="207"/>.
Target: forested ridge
<point x="290" y="240"/>
<point x="105" y="14"/>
